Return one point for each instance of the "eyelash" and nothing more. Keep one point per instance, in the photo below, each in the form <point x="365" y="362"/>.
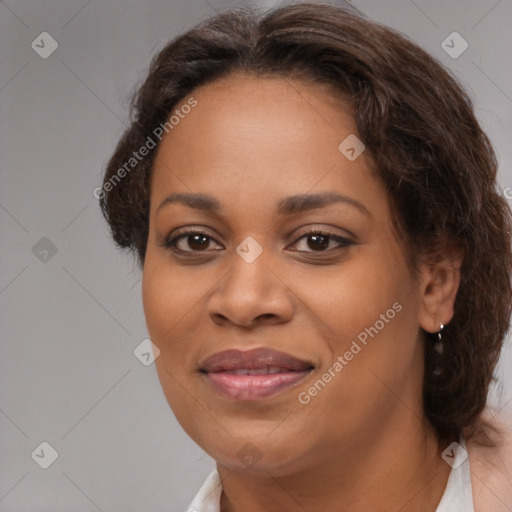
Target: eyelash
<point x="342" y="242"/>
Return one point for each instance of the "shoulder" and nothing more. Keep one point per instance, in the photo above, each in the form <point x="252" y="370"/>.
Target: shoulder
<point x="491" y="464"/>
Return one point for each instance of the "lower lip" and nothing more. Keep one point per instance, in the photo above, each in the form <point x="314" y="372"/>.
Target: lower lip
<point x="253" y="387"/>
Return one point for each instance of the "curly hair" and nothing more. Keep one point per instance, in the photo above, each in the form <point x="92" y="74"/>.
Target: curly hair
<point x="426" y="145"/>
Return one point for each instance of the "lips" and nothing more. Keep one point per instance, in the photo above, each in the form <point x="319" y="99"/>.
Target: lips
<point x="253" y="374"/>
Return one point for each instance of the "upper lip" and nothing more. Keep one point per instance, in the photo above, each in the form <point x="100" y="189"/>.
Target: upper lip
<point x="254" y="359"/>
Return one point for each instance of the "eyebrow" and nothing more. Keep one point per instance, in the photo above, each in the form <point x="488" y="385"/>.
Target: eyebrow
<point x="286" y="206"/>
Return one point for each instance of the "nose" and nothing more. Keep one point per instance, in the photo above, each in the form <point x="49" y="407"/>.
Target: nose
<point x="251" y="294"/>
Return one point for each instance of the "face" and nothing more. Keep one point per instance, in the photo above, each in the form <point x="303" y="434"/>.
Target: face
<point x="280" y="299"/>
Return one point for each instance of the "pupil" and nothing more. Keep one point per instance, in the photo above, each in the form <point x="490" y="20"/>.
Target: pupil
<point x="195" y="238"/>
<point x="323" y="244"/>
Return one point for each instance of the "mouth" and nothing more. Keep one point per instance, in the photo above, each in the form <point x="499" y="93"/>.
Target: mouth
<point x="253" y="374"/>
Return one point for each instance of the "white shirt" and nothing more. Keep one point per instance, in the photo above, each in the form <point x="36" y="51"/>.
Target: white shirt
<point x="457" y="496"/>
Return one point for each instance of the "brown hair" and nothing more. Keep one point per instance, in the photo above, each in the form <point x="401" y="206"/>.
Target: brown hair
<point x="418" y="126"/>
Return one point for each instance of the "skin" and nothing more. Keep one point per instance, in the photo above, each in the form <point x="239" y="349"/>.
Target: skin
<point x="362" y="443"/>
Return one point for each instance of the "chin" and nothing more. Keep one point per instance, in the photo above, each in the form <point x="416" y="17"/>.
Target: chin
<point x="255" y="452"/>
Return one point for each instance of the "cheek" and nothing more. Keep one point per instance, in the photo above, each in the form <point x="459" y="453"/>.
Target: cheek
<point x="372" y="360"/>
<point x="166" y="304"/>
<point x="168" y="300"/>
<point x="157" y="298"/>
<point x="358" y="295"/>
<point x="371" y="308"/>
<point x="174" y="307"/>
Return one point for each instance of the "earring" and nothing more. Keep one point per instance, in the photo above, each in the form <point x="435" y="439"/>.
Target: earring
<point x="438" y="346"/>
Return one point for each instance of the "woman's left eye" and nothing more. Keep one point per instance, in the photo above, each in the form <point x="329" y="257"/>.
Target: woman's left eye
<point x="320" y="241"/>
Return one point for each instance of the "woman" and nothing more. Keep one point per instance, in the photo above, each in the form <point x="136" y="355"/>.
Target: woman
<point x="326" y="264"/>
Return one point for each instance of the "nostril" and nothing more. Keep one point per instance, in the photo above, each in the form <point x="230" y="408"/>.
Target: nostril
<point x="266" y="315"/>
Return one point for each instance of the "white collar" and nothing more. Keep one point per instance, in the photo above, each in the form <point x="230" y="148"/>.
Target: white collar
<point x="208" y="497"/>
<point x="458" y="493"/>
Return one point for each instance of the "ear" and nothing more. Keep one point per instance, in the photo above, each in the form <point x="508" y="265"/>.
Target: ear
<point x="440" y="282"/>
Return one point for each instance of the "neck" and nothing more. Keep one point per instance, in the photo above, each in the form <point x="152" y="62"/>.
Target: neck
<point x="398" y="468"/>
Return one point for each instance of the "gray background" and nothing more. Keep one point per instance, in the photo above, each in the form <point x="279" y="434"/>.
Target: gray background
<point x="70" y="324"/>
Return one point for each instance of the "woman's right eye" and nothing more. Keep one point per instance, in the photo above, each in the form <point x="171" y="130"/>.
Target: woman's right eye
<point x="190" y="241"/>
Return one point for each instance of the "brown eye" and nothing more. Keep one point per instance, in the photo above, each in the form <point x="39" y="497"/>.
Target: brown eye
<point x="319" y="241"/>
<point x="190" y="241"/>
<point x="197" y="242"/>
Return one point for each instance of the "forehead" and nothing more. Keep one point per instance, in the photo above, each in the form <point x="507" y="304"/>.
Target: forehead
<point x="256" y="139"/>
<point x="242" y="106"/>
